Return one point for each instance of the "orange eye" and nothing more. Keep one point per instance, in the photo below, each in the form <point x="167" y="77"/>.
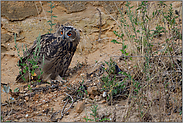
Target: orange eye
<point x="61" y="32"/>
<point x="69" y="34"/>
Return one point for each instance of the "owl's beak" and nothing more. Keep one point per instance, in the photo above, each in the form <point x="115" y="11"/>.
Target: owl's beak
<point x="63" y="36"/>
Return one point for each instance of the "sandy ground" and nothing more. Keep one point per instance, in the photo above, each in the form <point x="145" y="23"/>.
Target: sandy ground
<point x="9" y="71"/>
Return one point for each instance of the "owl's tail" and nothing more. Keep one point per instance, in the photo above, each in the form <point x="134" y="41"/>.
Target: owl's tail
<point x="22" y="78"/>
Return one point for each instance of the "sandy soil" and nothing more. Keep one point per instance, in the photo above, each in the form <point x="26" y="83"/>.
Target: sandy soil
<point x="9" y="71"/>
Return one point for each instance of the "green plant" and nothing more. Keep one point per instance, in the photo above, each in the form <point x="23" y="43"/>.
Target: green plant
<point x="136" y="84"/>
<point x="81" y="90"/>
<point x="52" y="16"/>
<point x="32" y="64"/>
<point x="141" y="28"/>
<point x="87" y="119"/>
<point x="180" y="113"/>
<point x="124" y="47"/>
<point x="94" y="114"/>
<point x="16" y="89"/>
<point x="158" y="31"/>
<point x="111" y="84"/>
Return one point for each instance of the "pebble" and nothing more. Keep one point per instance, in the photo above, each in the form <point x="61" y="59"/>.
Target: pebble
<point x="102" y="101"/>
<point x="26" y="98"/>
<point x="104" y="94"/>
<point x="80" y="106"/>
<point x="93" y="90"/>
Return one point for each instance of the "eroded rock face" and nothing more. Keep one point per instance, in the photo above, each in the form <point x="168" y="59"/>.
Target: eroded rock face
<point x="74" y="6"/>
<point x="27" y="21"/>
<point x="5" y="38"/>
<point x="109" y="6"/>
<point x="19" y="10"/>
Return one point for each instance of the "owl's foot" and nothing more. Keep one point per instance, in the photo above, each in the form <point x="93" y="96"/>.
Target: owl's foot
<point x="59" y="79"/>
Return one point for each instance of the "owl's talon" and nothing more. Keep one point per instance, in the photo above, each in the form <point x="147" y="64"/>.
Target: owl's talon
<point x="57" y="81"/>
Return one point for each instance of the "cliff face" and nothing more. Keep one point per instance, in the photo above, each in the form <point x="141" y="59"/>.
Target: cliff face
<point x="27" y="19"/>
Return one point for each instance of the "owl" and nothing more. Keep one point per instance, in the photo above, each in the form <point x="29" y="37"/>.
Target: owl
<point x="54" y="54"/>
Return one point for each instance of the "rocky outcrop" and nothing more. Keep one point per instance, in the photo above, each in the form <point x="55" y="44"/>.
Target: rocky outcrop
<point x="27" y="19"/>
<point x="73" y="6"/>
<point x="5" y="38"/>
<point x="19" y="10"/>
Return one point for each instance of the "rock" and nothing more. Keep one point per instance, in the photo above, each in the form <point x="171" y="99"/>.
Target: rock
<point x="97" y="98"/>
<point x="80" y="106"/>
<point x="88" y="105"/>
<point x="87" y="100"/>
<point x="26" y="98"/>
<point x="74" y="6"/>
<point x="92" y="97"/>
<point x="102" y="102"/>
<point x="96" y="3"/>
<point x="12" y="29"/>
<point x="19" y="10"/>
<point x="89" y="90"/>
<point x="104" y="94"/>
<point x="112" y="7"/>
<point x="5" y="38"/>
<point x="4" y="48"/>
<point x="36" y="97"/>
<point x="93" y="90"/>
<point x="109" y="6"/>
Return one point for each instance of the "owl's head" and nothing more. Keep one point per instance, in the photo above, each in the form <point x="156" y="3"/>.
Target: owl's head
<point x="68" y="33"/>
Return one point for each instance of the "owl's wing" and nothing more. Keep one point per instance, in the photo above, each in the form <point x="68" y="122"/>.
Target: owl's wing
<point x="40" y="48"/>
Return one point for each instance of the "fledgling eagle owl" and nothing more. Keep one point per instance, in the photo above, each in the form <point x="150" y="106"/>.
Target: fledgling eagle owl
<point x="57" y="49"/>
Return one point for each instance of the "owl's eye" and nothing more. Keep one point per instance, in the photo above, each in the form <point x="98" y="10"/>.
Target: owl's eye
<point x="69" y="33"/>
<point x="61" y="32"/>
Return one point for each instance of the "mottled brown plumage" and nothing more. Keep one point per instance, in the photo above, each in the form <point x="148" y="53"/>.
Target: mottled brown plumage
<point x="57" y="48"/>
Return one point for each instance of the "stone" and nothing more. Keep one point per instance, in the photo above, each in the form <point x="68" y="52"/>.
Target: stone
<point x="80" y="106"/>
<point x="26" y="98"/>
<point x="5" y="38"/>
<point x="92" y="97"/>
<point x="96" y="3"/>
<point x="109" y="6"/>
<point x="102" y="102"/>
<point x="19" y="10"/>
<point x="95" y="90"/>
<point x="112" y="7"/>
<point x="4" y="48"/>
<point x="12" y="29"/>
<point x="89" y="90"/>
<point x="92" y="90"/>
<point x="74" y="6"/>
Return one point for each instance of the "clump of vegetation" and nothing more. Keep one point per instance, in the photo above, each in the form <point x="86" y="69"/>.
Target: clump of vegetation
<point x="141" y="29"/>
<point x="51" y="17"/>
<point x="32" y="64"/>
<point x="81" y="92"/>
<point x="94" y="108"/>
<point x="111" y="84"/>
